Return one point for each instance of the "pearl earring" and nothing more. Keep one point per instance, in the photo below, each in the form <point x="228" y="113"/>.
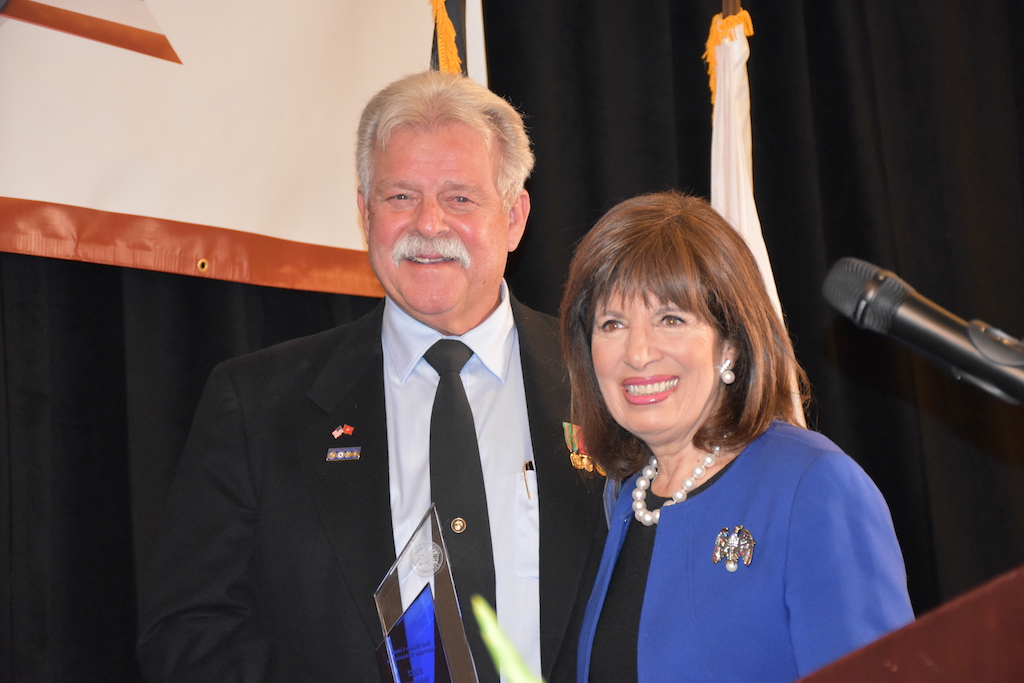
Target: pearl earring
<point x="727" y="375"/>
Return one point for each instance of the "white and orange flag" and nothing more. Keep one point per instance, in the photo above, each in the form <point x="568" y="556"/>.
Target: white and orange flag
<point x="732" y="165"/>
<point x="732" y="161"/>
<point x="207" y="137"/>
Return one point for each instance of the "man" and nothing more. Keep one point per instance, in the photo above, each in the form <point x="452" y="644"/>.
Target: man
<point x="274" y="550"/>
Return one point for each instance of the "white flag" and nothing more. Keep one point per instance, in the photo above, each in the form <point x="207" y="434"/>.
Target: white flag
<point x="732" y="161"/>
<point x="732" y="167"/>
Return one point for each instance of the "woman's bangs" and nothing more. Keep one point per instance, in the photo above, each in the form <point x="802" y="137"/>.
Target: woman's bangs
<point x="661" y="274"/>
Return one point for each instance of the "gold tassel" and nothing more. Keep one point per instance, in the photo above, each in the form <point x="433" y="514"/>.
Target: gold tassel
<point x="721" y="29"/>
<point x="448" y="60"/>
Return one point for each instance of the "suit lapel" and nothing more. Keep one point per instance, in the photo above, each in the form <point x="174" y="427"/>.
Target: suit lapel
<point x="569" y="503"/>
<point x="353" y="496"/>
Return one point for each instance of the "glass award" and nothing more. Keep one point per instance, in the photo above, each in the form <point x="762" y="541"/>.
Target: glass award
<point x="424" y="639"/>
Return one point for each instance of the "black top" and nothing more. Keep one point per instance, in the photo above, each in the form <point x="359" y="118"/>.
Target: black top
<point x="613" y="658"/>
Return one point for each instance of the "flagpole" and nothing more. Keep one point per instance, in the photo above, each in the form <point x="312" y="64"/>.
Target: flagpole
<point x="730" y="7"/>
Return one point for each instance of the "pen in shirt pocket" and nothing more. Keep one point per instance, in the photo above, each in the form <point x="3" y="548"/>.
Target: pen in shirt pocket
<point x="527" y="467"/>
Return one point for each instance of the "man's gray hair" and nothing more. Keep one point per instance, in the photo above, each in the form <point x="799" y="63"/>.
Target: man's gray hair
<point x="431" y="99"/>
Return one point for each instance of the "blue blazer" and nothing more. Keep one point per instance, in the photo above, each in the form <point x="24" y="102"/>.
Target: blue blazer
<point x="826" y="574"/>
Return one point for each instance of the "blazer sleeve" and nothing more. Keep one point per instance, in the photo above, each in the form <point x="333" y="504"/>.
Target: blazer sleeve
<point x="197" y="609"/>
<point x="846" y="584"/>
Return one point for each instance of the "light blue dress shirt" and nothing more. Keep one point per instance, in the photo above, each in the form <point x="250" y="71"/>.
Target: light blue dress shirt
<point x="493" y="379"/>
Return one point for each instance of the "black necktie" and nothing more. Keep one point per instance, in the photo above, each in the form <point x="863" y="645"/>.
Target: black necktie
<point x="457" y="488"/>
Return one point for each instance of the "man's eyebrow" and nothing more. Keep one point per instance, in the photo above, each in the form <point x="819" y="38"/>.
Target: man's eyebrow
<point x="456" y="186"/>
<point x="387" y="187"/>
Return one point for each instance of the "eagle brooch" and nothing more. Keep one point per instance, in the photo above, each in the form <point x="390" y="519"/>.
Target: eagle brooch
<point x="733" y="547"/>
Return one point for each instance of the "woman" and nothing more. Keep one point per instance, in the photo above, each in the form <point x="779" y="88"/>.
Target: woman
<point x="742" y="547"/>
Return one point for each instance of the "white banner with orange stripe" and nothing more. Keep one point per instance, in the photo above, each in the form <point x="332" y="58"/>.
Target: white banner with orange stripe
<point x="207" y="137"/>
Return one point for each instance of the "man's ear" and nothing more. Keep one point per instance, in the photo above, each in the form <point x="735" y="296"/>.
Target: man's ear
<point x="517" y="216"/>
<point x="364" y="214"/>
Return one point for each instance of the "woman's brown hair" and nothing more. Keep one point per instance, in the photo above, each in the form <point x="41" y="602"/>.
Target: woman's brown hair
<point x="671" y="247"/>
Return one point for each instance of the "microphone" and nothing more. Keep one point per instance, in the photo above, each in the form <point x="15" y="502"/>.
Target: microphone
<point x="880" y="301"/>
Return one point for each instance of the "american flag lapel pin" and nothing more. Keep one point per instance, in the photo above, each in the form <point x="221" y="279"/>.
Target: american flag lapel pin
<point x="346" y="453"/>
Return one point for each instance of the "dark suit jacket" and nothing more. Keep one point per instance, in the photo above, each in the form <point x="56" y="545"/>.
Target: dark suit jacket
<point x="272" y="554"/>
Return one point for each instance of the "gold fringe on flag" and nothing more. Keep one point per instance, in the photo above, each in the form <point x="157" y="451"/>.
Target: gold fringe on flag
<point x="721" y="29"/>
<point x="448" y="60"/>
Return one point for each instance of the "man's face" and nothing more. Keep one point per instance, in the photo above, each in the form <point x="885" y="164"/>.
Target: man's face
<point x="437" y="235"/>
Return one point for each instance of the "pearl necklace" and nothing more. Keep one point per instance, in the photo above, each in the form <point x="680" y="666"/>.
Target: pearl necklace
<point x="643" y="483"/>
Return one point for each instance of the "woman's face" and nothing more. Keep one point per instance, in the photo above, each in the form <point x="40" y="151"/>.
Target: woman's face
<point x="656" y="369"/>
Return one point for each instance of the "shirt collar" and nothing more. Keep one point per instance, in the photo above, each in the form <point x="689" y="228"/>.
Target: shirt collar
<point x="406" y="339"/>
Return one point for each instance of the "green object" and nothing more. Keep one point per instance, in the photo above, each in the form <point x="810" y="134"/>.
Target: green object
<point x="506" y="659"/>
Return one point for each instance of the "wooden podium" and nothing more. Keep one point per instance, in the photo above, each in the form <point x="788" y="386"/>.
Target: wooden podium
<point x="978" y="638"/>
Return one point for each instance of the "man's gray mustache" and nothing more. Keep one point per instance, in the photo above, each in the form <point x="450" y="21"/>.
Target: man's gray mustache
<point x="445" y="246"/>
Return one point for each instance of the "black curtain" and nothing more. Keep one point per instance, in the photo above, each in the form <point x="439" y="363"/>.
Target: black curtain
<point x="102" y="370"/>
<point x="887" y="131"/>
